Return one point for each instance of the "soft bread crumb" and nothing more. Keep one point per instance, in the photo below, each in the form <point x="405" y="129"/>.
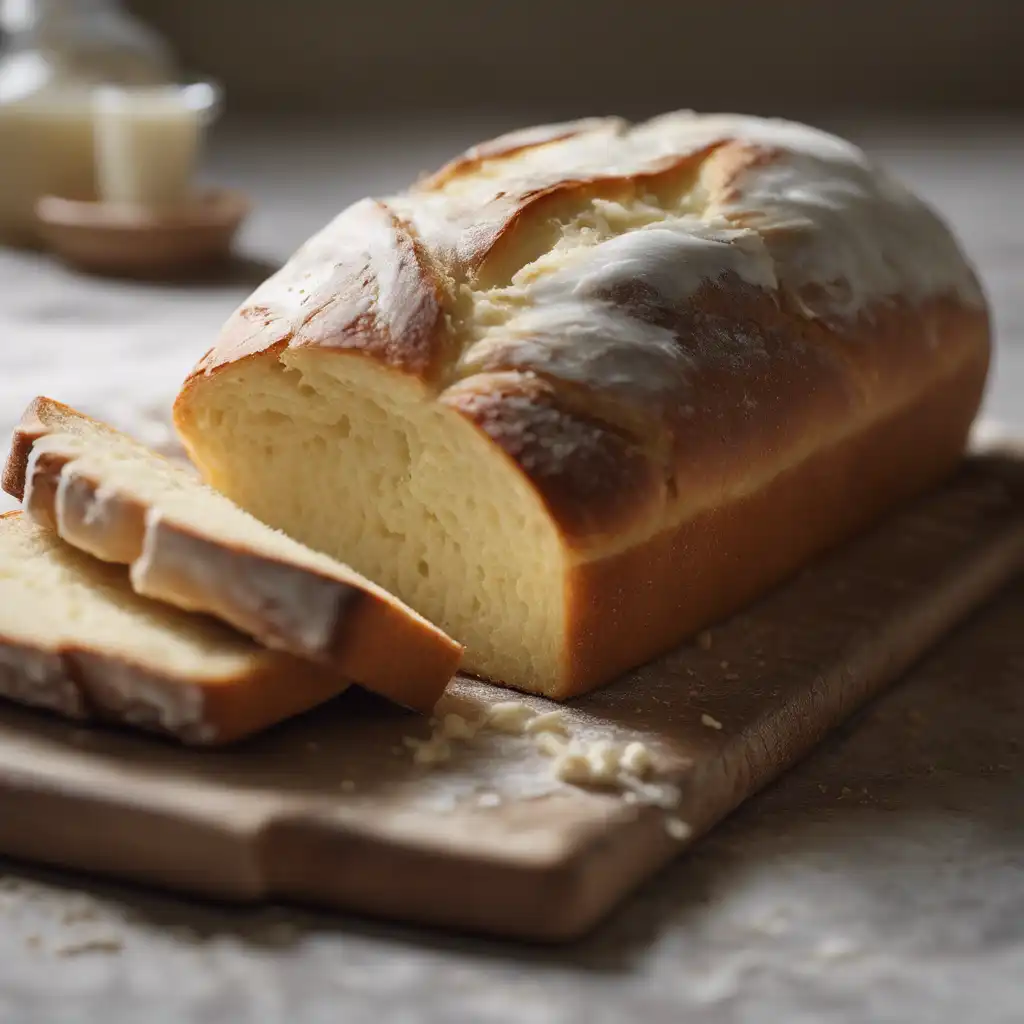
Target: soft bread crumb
<point x="678" y="829"/>
<point x="704" y="640"/>
<point x="636" y="759"/>
<point x="433" y="750"/>
<point x="510" y="716"/>
<point x="548" y="722"/>
<point x="711" y="723"/>
<point x="573" y="766"/>
<point x="455" y="727"/>
<point x="551" y="745"/>
<point x="348" y="786"/>
<point x="488" y="800"/>
<point x="599" y="763"/>
<point x="604" y="758"/>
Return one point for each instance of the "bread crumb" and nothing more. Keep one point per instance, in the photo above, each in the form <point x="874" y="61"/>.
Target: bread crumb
<point x="551" y="745"/>
<point x="711" y="723"/>
<point x="604" y="757"/>
<point x="678" y="829"/>
<point x="435" y="750"/>
<point x="724" y="664"/>
<point x="510" y="716"/>
<point x="548" y="722"/>
<point x="33" y="942"/>
<point x="705" y="640"/>
<point x="348" y="786"/>
<point x="653" y="794"/>
<point x="488" y="800"/>
<point x="629" y="797"/>
<point x="455" y="727"/>
<point x="573" y="766"/>
<point x="636" y="759"/>
<point x="845" y="791"/>
<point x="732" y="676"/>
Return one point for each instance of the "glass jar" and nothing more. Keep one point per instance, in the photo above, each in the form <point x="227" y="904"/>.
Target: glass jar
<point x="55" y="53"/>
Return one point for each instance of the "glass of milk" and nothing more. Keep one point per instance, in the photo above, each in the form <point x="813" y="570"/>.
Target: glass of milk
<point x="147" y="142"/>
<point x="53" y="53"/>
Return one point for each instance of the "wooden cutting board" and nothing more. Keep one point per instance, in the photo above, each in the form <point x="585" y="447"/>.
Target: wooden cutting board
<point x="331" y="809"/>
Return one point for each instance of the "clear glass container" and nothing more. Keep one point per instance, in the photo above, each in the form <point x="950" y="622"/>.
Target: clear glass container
<point x="54" y="55"/>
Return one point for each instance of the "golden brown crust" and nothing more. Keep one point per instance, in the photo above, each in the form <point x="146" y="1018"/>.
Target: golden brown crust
<point x="638" y="603"/>
<point x="378" y="298"/>
<point x="666" y="328"/>
<point x="513" y="143"/>
<point x="367" y="635"/>
<point x="89" y="685"/>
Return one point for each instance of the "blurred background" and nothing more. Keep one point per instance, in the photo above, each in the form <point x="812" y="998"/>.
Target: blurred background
<point x="327" y="101"/>
<point x="798" y="57"/>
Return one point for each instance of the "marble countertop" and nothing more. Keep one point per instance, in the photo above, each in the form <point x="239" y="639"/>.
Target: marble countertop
<point x="881" y="880"/>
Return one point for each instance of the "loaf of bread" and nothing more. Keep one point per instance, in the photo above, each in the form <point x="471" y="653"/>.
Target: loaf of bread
<point x="110" y="496"/>
<point x="76" y="639"/>
<point x="591" y="387"/>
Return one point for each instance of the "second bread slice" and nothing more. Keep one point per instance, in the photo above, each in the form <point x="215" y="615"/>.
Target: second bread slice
<point x="75" y="639"/>
<point x="193" y="548"/>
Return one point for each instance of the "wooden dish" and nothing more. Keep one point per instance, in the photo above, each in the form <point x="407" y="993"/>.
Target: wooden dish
<point x="130" y="241"/>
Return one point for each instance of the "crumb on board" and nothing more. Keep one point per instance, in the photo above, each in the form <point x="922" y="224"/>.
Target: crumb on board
<point x="678" y="829"/>
<point x="510" y="716"/>
<point x="548" y="722"/>
<point x="434" y="750"/>
<point x="636" y="759"/>
<point x="455" y="727"/>
<point x="347" y="786"/>
<point x="705" y="640"/>
<point x="710" y="721"/>
<point x="551" y="745"/>
<point x="488" y="800"/>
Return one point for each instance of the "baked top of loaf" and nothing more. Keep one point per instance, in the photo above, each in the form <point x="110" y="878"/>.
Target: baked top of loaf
<point x="107" y="494"/>
<point x="535" y="231"/>
<point x="76" y="639"/>
<point x="618" y="289"/>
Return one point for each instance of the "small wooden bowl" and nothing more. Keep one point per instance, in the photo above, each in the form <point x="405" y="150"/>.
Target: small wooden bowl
<point x="130" y="241"/>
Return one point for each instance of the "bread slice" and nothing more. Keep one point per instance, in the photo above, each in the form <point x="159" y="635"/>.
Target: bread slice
<point x="75" y="638"/>
<point x="193" y="548"/>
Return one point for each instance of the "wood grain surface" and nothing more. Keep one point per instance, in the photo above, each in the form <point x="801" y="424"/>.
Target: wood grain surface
<point x="332" y="809"/>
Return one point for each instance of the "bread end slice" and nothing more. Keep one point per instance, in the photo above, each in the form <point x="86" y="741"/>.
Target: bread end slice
<point x="76" y="639"/>
<point x="192" y="548"/>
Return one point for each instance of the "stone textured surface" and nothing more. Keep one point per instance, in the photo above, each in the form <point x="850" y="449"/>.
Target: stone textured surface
<point x="882" y="880"/>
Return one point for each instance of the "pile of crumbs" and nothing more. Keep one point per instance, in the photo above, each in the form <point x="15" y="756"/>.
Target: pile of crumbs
<point x="600" y="763"/>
